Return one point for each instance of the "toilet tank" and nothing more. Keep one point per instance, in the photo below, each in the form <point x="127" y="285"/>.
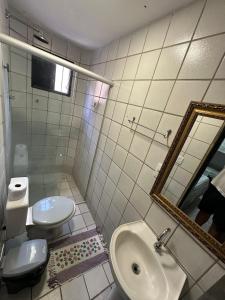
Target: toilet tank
<point x="17" y="206"/>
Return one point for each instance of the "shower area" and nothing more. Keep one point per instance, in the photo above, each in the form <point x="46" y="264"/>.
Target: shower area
<point x="56" y="115"/>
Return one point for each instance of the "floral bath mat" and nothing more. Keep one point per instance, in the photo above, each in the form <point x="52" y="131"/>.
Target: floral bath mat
<point x="74" y="255"/>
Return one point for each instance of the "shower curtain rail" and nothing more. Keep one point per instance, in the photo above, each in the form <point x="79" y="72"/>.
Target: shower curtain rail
<point x="51" y="57"/>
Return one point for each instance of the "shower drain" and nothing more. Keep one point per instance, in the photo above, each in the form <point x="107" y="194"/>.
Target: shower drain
<point x="135" y="268"/>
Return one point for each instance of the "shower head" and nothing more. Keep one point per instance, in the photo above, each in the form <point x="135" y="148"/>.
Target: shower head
<point x="39" y="36"/>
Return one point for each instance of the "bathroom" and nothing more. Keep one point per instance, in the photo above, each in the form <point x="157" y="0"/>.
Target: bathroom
<point x="107" y="144"/>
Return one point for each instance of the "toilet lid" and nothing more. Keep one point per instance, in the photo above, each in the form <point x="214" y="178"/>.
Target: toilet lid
<point x="52" y="210"/>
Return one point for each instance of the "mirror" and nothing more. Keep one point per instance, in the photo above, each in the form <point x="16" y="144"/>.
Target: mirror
<point x="191" y="182"/>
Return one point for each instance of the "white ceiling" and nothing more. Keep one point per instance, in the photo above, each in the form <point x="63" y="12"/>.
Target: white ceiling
<point x="94" y="23"/>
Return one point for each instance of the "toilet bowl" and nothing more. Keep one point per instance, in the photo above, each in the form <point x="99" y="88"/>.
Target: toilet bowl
<point x="51" y="212"/>
<point x="46" y="214"/>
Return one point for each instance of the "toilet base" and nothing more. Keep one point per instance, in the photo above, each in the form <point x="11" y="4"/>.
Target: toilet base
<point x="35" y="232"/>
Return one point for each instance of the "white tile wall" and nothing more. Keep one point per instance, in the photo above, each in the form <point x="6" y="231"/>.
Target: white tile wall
<point x="4" y="122"/>
<point x="181" y="68"/>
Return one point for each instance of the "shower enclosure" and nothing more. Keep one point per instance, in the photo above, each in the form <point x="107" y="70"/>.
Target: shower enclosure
<point x="56" y="121"/>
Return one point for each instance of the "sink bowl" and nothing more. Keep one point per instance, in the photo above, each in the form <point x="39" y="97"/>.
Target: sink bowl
<point x="141" y="272"/>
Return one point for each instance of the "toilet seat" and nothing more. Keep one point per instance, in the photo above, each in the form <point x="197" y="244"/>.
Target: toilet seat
<point x="52" y="211"/>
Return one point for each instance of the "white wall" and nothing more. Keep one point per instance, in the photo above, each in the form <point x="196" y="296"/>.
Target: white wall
<point x="157" y="71"/>
<point x="3" y="120"/>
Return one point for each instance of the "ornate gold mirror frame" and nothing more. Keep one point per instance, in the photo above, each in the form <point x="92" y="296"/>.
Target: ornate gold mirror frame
<point x="195" y="109"/>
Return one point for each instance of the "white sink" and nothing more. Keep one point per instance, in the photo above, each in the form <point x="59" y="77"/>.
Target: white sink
<point x="143" y="273"/>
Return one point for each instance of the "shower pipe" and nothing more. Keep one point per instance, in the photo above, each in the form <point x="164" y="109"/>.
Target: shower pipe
<point x="51" y="57"/>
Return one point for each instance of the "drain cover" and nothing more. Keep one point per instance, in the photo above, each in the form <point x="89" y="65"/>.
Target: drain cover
<point x="135" y="268"/>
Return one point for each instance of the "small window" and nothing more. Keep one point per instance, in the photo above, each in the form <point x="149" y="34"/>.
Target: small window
<point x="50" y="77"/>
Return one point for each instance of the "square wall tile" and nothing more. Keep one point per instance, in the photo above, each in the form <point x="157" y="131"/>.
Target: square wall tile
<point x="137" y="41"/>
<point x="118" y="69"/>
<point x="131" y="67"/>
<point x="119" y="200"/>
<point x="125" y="137"/>
<point x="194" y="258"/>
<point x="168" y="122"/>
<point x="150" y="118"/>
<point x="119" y="112"/>
<point x="147" y="64"/>
<point x="119" y="156"/>
<point x="125" y="185"/>
<point x="124" y="91"/>
<point x="182" y="176"/>
<point x="159" y="220"/>
<point x="156" y="34"/>
<point x="211" y="277"/>
<point x="203" y="58"/>
<point x="206" y="132"/>
<point x="183" y="23"/>
<point x="212" y="20"/>
<point x="113" y="47"/>
<point x="140" y="200"/>
<point x="18" y="64"/>
<point x="158" y="94"/>
<point x="220" y="74"/>
<point x="132" y="166"/>
<point x="193" y="294"/>
<point x="114" y="172"/>
<point x="170" y="62"/>
<point x="124" y="44"/>
<point x="132" y="111"/>
<point x="190" y="163"/>
<point x="114" y="131"/>
<point x="139" y="92"/>
<point x="109" y="147"/>
<point x="130" y="214"/>
<point x="197" y="148"/>
<point x="183" y="93"/>
<point x="216" y="92"/>
<point x="146" y="179"/>
<point x="156" y="154"/>
<point x="140" y="146"/>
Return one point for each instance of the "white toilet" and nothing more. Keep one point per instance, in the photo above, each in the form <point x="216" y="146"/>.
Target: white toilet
<point x="47" y="214"/>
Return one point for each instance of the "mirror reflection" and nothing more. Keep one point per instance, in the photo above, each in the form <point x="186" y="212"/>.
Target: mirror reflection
<point x="196" y="183"/>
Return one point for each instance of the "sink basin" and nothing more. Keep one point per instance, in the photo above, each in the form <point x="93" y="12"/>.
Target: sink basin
<point x="143" y="273"/>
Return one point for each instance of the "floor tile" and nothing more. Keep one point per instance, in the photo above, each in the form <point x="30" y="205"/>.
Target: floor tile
<point x="108" y="272"/>
<point x="83" y="208"/>
<point x="54" y="295"/>
<point x="88" y="219"/>
<point x="41" y="288"/>
<point x="75" y="289"/>
<point x="103" y="295"/>
<point x="25" y="294"/>
<point x="96" y="281"/>
<point x="76" y="223"/>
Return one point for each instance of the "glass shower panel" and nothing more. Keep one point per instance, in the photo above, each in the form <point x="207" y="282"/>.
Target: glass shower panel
<point x="41" y="130"/>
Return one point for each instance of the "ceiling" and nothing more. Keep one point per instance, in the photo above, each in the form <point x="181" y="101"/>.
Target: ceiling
<point x="94" y="23"/>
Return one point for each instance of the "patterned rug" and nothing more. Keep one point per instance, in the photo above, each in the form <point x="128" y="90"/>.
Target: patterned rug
<point x="74" y="255"/>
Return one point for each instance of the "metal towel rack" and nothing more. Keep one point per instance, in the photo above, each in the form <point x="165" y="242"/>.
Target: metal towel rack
<point x="165" y="135"/>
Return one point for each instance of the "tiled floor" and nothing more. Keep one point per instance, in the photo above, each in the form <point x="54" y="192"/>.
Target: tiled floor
<point x="94" y="284"/>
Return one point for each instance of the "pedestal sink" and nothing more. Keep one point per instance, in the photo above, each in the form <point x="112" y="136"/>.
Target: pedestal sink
<point x="142" y="273"/>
